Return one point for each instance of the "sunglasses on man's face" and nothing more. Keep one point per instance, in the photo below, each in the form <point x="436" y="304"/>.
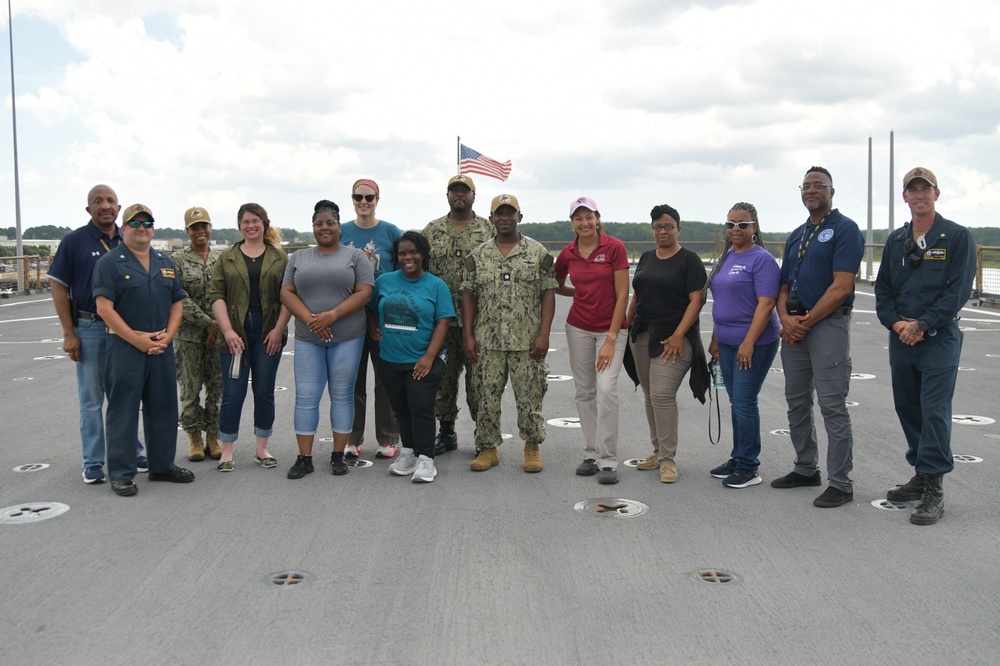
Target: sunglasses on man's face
<point x="135" y="224"/>
<point x="366" y="197"/>
<point x="743" y="226"/>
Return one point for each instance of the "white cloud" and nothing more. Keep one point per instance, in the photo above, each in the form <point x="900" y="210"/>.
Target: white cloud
<point x="634" y="103"/>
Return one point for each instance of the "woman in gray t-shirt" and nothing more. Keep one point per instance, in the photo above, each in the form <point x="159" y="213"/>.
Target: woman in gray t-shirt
<point x="326" y="288"/>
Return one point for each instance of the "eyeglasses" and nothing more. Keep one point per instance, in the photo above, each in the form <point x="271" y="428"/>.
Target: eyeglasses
<point x="805" y="187"/>
<point x="910" y="255"/>
<point x="325" y="223"/>
<point x="657" y="228"/>
<point x="145" y="224"/>
<point x="742" y="225"/>
<point x="367" y="197"/>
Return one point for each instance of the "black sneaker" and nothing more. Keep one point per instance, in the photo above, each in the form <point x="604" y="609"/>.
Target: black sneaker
<point x="795" y="480"/>
<point x="124" y="487"/>
<point x="832" y="497"/>
<point x="337" y="465"/>
<point x="303" y="465"/>
<point x="724" y="470"/>
<point x="176" y="475"/>
<point x="608" y="476"/>
<point x="587" y="468"/>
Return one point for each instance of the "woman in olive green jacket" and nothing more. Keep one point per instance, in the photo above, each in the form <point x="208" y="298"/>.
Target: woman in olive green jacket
<point x="245" y="295"/>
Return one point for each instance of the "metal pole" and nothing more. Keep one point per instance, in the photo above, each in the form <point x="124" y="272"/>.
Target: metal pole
<point x="892" y="178"/>
<point x="458" y="155"/>
<point x="871" y="237"/>
<point x="19" y="246"/>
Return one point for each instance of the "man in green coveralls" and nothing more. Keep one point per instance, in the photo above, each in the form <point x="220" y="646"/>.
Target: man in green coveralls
<point x="452" y="238"/>
<point x="508" y="302"/>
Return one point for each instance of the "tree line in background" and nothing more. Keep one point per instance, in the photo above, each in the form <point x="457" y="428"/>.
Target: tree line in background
<point x="546" y="232"/>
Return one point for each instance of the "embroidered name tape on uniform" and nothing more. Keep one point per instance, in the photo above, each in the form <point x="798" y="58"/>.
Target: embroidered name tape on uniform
<point x="470" y="263"/>
<point x="936" y="254"/>
<point x="167" y="273"/>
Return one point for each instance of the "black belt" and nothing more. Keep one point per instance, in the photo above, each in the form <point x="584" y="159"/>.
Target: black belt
<point x="841" y="312"/>
<point x="90" y="316"/>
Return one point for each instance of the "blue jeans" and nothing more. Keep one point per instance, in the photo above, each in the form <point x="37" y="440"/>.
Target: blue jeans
<point x="263" y="370"/>
<point x="322" y="364"/>
<point x="90" y="390"/>
<point x="743" y="386"/>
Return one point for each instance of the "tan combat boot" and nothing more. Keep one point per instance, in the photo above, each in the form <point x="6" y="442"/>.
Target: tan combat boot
<point x="532" y="457"/>
<point x="196" y="449"/>
<point x="212" y="446"/>
<point x="652" y="462"/>
<point x="487" y="458"/>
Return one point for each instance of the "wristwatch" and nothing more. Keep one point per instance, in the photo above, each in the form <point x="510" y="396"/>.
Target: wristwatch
<point x="922" y="325"/>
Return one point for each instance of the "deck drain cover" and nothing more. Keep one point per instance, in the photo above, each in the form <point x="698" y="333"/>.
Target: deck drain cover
<point x="961" y="369"/>
<point x="715" y="577"/>
<point x="31" y="467"/>
<point x="31" y="512"/>
<point x="851" y="403"/>
<point x="566" y="422"/>
<point x="559" y="378"/>
<point x="22" y="379"/>
<point x="48" y="358"/>
<point x="861" y="375"/>
<point x="280" y="388"/>
<point x="358" y="462"/>
<point x="506" y="435"/>
<point x="784" y="432"/>
<point x="890" y="506"/>
<point x="632" y="462"/>
<point x="611" y="507"/>
<point x="288" y="578"/>
<point x="970" y="419"/>
<point x="776" y="370"/>
<point x="960" y="458"/>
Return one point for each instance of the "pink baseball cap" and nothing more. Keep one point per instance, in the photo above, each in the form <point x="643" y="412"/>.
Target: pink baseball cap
<point x="582" y="202"/>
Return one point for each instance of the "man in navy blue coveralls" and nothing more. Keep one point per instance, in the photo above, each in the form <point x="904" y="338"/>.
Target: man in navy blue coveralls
<point x="925" y="278"/>
<point x="139" y="295"/>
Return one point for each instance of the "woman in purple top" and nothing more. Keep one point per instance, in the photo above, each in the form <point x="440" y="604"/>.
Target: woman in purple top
<point x="744" y="286"/>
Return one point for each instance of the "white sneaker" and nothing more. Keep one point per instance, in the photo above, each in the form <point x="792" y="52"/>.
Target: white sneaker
<point x="352" y="451"/>
<point x="425" y="471"/>
<point x="386" y="451"/>
<point x="404" y="464"/>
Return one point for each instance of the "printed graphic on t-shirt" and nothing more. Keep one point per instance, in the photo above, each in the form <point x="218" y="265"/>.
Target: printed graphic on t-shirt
<point x="737" y="269"/>
<point x="371" y="251"/>
<point x="399" y="315"/>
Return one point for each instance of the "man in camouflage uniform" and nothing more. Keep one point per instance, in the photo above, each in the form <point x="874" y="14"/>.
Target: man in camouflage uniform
<point x="452" y="238"/>
<point x="508" y="302"/>
<point x="197" y="358"/>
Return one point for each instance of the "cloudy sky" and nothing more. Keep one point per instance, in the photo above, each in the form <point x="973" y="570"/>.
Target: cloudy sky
<point x="632" y="102"/>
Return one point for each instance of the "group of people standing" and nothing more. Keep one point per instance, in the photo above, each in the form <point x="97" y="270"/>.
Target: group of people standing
<point x="475" y="295"/>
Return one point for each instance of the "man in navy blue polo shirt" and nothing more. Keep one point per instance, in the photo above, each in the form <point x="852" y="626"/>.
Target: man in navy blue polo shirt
<point x="815" y="301"/>
<point x="139" y="295"/>
<point x="85" y="337"/>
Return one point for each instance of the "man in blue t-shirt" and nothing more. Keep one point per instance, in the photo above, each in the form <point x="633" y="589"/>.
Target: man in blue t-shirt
<point x="85" y="336"/>
<point x="815" y="301"/>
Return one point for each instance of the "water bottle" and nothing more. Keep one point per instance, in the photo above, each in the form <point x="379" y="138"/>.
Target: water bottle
<point x="443" y="355"/>
<point x="716" y="370"/>
<point x="236" y="366"/>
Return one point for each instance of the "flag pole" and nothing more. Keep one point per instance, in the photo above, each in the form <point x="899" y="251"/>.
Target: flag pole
<point x="458" y="154"/>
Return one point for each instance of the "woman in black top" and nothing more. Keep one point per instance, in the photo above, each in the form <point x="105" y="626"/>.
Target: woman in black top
<point x="665" y="338"/>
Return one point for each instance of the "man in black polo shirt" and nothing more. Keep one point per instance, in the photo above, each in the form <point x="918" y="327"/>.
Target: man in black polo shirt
<point x="85" y="336"/>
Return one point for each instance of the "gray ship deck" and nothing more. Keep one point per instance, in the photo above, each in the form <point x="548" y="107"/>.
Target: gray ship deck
<point x="498" y="567"/>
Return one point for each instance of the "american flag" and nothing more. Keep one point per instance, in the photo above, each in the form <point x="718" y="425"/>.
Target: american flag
<point x="475" y="162"/>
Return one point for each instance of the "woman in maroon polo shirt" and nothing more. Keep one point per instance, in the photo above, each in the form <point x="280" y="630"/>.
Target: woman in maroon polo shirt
<point x="596" y="333"/>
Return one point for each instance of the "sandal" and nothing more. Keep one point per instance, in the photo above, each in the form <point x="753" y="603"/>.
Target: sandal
<point x="266" y="463"/>
<point x="226" y="466"/>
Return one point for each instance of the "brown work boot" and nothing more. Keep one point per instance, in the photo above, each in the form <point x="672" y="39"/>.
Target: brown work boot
<point x="532" y="457"/>
<point x="212" y="446"/>
<point x="196" y="448"/>
<point x="668" y="472"/>
<point x="652" y="462"/>
<point x="487" y="458"/>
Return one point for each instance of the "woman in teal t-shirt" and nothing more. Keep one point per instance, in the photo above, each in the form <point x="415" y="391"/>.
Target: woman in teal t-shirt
<point x="408" y="316"/>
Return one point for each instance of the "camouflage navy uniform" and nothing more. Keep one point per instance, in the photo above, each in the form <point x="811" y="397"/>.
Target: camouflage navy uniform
<point x="447" y="261"/>
<point x="508" y="319"/>
<point x="197" y="364"/>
